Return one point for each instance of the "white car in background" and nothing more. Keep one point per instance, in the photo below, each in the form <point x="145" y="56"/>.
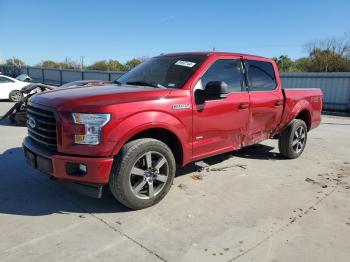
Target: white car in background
<point x="10" y="88"/>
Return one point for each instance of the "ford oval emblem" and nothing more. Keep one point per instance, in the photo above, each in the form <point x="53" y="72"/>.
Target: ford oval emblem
<point x="31" y="122"/>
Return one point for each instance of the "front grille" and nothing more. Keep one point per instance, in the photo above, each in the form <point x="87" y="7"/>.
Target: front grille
<point x="42" y="126"/>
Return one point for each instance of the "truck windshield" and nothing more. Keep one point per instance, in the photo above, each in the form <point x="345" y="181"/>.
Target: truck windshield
<point x="163" y="71"/>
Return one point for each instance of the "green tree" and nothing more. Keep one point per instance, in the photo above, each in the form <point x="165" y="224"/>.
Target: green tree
<point x="285" y="64"/>
<point x="135" y="62"/>
<point x="99" y="65"/>
<point x="107" y="65"/>
<point x="323" y="61"/>
<point x="303" y="64"/>
<point x="327" y="55"/>
<point x="132" y="63"/>
<point x="62" y="65"/>
<point x="115" y="65"/>
<point x="49" y="64"/>
<point x="70" y="64"/>
<point x="15" y="61"/>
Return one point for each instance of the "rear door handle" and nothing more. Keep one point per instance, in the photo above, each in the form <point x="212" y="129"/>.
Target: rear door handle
<point x="278" y="103"/>
<point x="243" y="106"/>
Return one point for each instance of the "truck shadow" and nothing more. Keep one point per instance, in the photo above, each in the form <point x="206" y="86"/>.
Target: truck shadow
<point x="26" y="192"/>
<point x="258" y="152"/>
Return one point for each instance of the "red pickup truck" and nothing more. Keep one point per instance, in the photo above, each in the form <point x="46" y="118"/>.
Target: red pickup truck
<point x="167" y="112"/>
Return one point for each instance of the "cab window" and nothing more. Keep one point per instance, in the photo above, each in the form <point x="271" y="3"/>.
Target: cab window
<point x="225" y="70"/>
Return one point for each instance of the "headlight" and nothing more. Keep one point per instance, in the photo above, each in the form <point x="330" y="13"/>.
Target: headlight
<point x="93" y="125"/>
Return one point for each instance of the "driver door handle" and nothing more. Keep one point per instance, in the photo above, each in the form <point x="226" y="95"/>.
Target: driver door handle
<point x="278" y="103"/>
<point x="243" y="106"/>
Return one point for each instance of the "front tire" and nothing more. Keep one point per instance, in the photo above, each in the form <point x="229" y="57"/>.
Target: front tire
<point x="142" y="173"/>
<point x="292" y="142"/>
<point x="15" y="96"/>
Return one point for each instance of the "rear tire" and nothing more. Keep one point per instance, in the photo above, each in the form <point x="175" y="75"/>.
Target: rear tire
<point x="142" y="173"/>
<point x="293" y="139"/>
<point x="15" y="96"/>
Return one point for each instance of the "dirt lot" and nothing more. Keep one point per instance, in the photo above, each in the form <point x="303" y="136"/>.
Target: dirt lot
<point x="250" y="205"/>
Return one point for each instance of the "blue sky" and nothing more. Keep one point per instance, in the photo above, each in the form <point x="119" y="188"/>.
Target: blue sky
<point x="38" y="30"/>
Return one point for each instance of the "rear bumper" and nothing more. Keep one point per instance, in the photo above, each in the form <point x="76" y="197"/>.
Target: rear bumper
<point x="56" y="165"/>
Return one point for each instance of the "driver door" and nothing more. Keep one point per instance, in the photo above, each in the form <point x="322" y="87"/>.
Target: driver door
<point x="220" y="125"/>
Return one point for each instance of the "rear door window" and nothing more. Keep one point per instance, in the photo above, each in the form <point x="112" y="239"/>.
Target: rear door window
<point x="260" y="75"/>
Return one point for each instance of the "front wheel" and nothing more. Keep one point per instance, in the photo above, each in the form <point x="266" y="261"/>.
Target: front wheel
<point x="15" y="96"/>
<point x="143" y="173"/>
<point x="292" y="142"/>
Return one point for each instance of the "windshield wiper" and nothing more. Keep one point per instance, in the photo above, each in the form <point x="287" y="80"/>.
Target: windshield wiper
<point x="143" y="83"/>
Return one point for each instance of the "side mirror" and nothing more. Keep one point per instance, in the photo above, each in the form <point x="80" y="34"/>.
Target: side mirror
<point x="216" y="90"/>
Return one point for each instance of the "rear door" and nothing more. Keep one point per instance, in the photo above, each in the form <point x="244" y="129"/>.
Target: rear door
<point x="266" y="100"/>
<point x="220" y="125"/>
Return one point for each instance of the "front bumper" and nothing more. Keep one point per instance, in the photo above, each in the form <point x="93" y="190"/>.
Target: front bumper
<point x="55" y="164"/>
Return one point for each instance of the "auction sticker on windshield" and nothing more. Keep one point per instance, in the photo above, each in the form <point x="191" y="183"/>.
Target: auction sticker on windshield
<point x="185" y="63"/>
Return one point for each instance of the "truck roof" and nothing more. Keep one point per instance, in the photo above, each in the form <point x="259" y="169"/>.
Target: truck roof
<point x="211" y="53"/>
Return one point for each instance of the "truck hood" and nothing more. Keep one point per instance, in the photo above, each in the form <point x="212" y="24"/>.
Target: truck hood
<point x="95" y="97"/>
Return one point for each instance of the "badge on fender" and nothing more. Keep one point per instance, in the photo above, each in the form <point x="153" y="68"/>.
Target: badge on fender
<point x="181" y="106"/>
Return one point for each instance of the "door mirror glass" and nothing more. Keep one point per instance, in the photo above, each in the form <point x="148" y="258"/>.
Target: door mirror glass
<point x="216" y="90"/>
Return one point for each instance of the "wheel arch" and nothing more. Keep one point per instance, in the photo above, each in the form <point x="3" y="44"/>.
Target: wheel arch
<point x="166" y="136"/>
<point x="169" y="130"/>
<point x="306" y="117"/>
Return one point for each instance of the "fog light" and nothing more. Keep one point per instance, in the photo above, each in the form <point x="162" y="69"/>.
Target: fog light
<point x="83" y="168"/>
<point x="76" y="169"/>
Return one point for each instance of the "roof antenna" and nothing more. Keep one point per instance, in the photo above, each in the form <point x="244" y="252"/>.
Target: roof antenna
<point x="213" y="48"/>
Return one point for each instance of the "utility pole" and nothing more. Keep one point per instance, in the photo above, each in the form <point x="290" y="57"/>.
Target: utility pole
<point x="81" y="63"/>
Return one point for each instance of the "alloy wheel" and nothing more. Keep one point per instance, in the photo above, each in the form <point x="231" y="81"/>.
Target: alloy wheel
<point x="149" y="175"/>
<point x="299" y="139"/>
<point x="16" y="96"/>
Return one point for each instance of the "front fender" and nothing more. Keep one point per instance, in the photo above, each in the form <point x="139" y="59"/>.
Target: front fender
<point x="139" y="122"/>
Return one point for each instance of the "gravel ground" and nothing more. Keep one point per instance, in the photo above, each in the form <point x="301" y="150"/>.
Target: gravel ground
<point x="249" y="205"/>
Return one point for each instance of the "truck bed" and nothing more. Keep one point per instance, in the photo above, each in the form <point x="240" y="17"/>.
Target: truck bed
<point x="305" y="102"/>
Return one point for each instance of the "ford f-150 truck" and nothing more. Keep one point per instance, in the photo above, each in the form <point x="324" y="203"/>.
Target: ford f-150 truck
<point x="167" y="112"/>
